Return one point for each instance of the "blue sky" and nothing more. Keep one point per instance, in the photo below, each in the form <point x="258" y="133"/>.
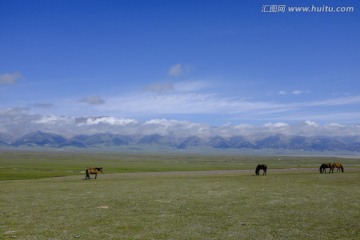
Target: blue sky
<point x="211" y="62"/>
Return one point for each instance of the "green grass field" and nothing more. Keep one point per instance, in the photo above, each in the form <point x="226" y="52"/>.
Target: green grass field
<point x="176" y="196"/>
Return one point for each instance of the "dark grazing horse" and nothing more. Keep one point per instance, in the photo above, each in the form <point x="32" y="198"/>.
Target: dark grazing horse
<point x="261" y="167"/>
<point x="93" y="171"/>
<point x="324" y="166"/>
<point x="339" y="167"/>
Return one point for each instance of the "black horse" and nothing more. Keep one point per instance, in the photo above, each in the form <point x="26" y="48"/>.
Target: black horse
<point x="261" y="167"/>
<point x="324" y="166"/>
<point x="93" y="171"/>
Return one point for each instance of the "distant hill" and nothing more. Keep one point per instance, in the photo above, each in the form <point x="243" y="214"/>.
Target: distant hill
<point x="40" y="139"/>
<point x="102" y="139"/>
<point x="278" y="141"/>
<point x="192" y="141"/>
<point x="5" y="139"/>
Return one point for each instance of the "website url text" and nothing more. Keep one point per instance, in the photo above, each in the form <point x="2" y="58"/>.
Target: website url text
<point x="308" y="9"/>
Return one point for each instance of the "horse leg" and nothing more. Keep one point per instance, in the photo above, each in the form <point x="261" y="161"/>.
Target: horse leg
<point x="87" y="175"/>
<point x="95" y="175"/>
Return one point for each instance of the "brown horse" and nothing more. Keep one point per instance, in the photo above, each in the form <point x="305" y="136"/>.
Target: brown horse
<point x="93" y="171"/>
<point x="324" y="166"/>
<point x="339" y="167"/>
<point x="261" y="167"/>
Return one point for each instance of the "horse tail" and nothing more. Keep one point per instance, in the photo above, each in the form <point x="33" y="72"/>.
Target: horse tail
<point x="87" y="174"/>
<point x="342" y="168"/>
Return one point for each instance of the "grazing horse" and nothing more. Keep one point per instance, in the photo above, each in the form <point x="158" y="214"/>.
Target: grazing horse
<point x="93" y="171"/>
<point x="324" y="166"/>
<point x="261" y="167"/>
<point x="339" y="167"/>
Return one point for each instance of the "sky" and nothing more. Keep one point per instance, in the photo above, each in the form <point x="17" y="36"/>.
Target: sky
<point x="204" y="63"/>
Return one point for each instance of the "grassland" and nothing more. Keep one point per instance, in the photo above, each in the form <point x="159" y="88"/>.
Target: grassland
<point x="175" y="196"/>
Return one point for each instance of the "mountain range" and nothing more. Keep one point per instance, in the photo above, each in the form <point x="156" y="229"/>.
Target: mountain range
<point x="277" y="141"/>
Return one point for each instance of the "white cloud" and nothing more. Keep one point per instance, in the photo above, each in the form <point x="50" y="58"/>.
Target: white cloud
<point x="174" y="127"/>
<point x="276" y="125"/>
<point x="207" y="107"/>
<point x="312" y="117"/>
<point x="160" y="87"/>
<point x="164" y="122"/>
<point x="335" y="125"/>
<point x="93" y="100"/>
<point x="175" y="70"/>
<point x="43" y="105"/>
<point x="178" y="70"/>
<point x="17" y="122"/>
<point x="243" y="126"/>
<point x="9" y="78"/>
<point x="311" y="123"/>
<point x="147" y="104"/>
<point x="106" y="120"/>
<point x="52" y="119"/>
<point x="191" y="86"/>
<point x="294" y="92"/>
<point x="297" y="92"/>
<point x="336" y="101"/>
